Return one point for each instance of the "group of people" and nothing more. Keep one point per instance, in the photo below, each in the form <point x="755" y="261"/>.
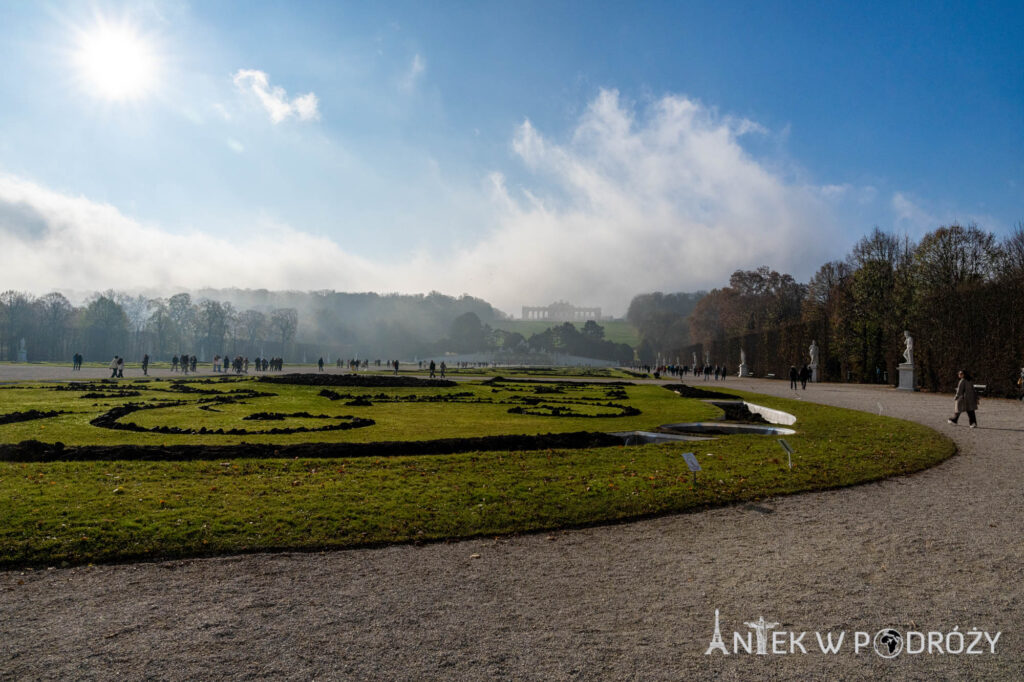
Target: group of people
<point x="354" y="364"/>
<point x="76" y="362"/>
<point x="240" y="364"/>
<point x="186" y="363"/>
<point x="802" y="375"/>
<point x="433" y="369"/>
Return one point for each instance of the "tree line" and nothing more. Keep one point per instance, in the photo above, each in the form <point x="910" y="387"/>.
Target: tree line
<point x="959" y="291"/>
<point x="468" y="334"/>
<point x="113" y="323"/>
<point x="295" y="325"/>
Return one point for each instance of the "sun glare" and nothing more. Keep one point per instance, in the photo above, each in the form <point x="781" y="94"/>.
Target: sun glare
<point x="116" y="62"/>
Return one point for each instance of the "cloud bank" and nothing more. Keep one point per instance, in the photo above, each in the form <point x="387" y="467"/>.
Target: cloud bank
<point x="665" y="198"/>
<point x="275" y="99"/>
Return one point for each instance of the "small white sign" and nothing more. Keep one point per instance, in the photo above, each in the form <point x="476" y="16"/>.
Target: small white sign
<point x="691" y="461"/>
<point x="789" y="452"/>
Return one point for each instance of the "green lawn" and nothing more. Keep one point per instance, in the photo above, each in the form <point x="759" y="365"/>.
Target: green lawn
<point x="472" y="409"/>
<point x="94" y="511"/>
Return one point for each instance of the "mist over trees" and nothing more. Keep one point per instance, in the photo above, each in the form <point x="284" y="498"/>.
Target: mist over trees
<point x="662" y="320"/>
<point x="959" y="291"/>
<point x="468" y="334"/>
<point x="295" y="325"/>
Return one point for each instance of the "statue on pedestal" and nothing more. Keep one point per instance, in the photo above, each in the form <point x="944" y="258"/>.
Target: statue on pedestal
<point x="908" y="377"/>
<point x="813" y="366"/>
<point x="744" y="370"/>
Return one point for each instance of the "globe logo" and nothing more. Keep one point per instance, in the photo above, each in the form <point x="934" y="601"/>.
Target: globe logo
<point x="888" y="643"/>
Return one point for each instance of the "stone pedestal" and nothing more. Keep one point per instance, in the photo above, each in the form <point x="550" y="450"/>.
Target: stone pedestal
<point x="908" y="380"/>
<point x="814" y="374"/>
<point x="745" y="371"/>
<point x="22" y="355"/>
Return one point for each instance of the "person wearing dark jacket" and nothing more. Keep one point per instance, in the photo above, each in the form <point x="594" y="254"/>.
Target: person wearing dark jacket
<point x="793" y="376"/>
<point x="965" y="400"/>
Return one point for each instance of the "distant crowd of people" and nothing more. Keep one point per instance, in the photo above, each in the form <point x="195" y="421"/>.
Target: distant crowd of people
<point x="718" y="372"/>
<point x="240" y="364"/>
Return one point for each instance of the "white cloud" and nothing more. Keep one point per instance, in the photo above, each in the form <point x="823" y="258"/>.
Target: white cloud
<point x="235" y="145"/>
<point x="53" y="241"/>
<point x="275" y="99"/>
<point x="916" y="217"/>
<point x="417" y="68"/>
<point x="664" y="199"/>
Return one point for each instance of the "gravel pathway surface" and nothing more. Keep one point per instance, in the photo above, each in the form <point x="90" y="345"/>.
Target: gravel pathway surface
<point x="941" y="549"/>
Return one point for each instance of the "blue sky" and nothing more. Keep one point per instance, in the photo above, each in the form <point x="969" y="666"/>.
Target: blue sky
<point x="523" y="152"/>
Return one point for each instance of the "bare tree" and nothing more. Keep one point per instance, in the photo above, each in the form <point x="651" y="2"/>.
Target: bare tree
<point x="55" y="315"/>
<point x="213" y="323"/>
<point x="286" y="322"/>
<point x="160" y="325"/>
<point x="183" y="319"/>
<point x="15" y="321"/>
<point x="137" y="309"/>
<point x="1013" y="252"/>
<point x="253" y="327"/>
<point x="952" y="256"/>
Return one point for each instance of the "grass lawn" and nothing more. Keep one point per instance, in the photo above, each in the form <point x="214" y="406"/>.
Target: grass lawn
<point x="93" y="511"/>
<point x="467" y="410"/>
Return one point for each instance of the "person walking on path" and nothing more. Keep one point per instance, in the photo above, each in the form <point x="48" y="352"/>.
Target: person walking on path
<point x="793" y="377"/>
<point x="805" y="374"/>
<point x="432" y="368"/>
<point x="113" y="368"/>
<point x="145" y="365"/>
<point x="320" y="364"/>
<point x="965" y="400"/>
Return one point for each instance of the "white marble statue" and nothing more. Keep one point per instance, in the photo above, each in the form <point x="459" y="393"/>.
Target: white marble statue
<point x="743" y="357"/>
<point x="908" y="350"/>
<point x="694" y="359"/>
<point x="813" y="352"/>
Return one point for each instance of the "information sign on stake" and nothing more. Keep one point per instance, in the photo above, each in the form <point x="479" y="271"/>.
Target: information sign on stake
<point x="789" y="451"/>
<point x="693" y="464"/>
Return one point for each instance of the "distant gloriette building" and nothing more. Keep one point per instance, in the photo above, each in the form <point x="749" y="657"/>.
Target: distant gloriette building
<point x="560" y="311"/>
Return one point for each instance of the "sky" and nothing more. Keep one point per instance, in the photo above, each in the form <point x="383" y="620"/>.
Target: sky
<point x="522" y="152"/>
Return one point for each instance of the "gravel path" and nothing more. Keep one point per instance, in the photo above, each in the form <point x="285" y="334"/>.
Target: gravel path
<point x="933" y="551"/>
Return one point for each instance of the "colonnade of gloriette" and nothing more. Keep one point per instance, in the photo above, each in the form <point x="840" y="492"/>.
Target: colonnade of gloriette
<point x="560" y="312"/>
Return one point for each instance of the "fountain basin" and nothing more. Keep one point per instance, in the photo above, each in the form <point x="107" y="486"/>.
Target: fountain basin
<point x="726" y="429"/>
<point x="645" y="437"/>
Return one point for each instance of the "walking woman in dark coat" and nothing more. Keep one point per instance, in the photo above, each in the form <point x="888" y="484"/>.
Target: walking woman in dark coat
<point x="965" y="400"/>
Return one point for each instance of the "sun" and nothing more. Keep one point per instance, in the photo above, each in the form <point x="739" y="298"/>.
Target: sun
<point x="116" y="62"/>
